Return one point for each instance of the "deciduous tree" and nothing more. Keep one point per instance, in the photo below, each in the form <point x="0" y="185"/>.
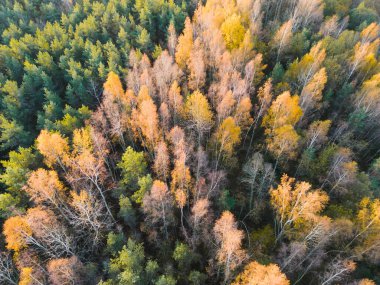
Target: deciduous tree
<point x="294" y="202"/>
<point x="229" y="240"/>
<point x="257" y="274"/>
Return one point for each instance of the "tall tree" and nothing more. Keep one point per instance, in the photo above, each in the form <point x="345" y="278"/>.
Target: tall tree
<point x="229" y="240"/>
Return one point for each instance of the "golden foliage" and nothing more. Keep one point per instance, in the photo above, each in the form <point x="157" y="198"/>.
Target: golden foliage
<point x="184" y="46"/>
<point x="113" y="86"/>
<point x="53" y="147"/>
<point x="15" y="230"/>
<point x="257" y="274"/>
<point x="44" y="186"/>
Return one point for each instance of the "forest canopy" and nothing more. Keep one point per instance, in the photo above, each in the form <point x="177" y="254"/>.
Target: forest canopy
<point x="190" y="142"/>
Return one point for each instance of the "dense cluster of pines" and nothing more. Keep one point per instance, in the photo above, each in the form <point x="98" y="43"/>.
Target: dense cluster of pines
<point x="190" y="142"/>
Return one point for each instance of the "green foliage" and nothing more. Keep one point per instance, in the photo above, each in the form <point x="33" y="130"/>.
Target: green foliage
<point x="12" y="134"/>
<point x="130" y="266"/>
<point x="277" y="73"/>
<point x="197" y="278"/>
<point x="126" y="212"/>
<point x="145" y="183"/>
<point x="166" y="280"/>
<point x="338" y="7"/>
<point x="362" y="15"/>
<point x="20" y="163"/>
<point x="133" y="166"/>
<point x="7" y="204"/>
<point x="183" y="256"/>
<point x="226" y="201"/>
<point x="115" y="242"/>
<point x="263" y="240"/>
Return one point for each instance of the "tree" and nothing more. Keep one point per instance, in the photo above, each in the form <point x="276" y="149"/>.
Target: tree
<point x="133" y="166"/>
<point x="227" y="136"/>
<point x="317" y="134"/>
<point x="232" y="31"/>
<point x="342" y="171"/>
<point x="295" y="202"/>
<point x="161" y="161"/>
<point x="368" y="225"/>
<point x="285" y="110"/>
<point x="311" y="94"/>
<point x="15" y="230"/>
<point x="65" y="271"/>
<point x="172" y="39"/>
<point x="13" y="134"/>
<point x="283" y="141"/>
<point x="229" y="239"/>
<point x="88" y="218"/>
<point x="184" y="46"/>
<point x="337" y="270"/>
<point x="44" y="186"/>
<point x="196" y="65"/>
<point x="364" y="51"/>
<point x="198" y="113"/>
<point x="126" y="212"/>
<point x="282" y="37"/>
<point x="158" y="206"/>
<point x="367" y="99"/>
<point x="307" y="12"/>
<point x="17" y="167"/>
<point x="53" y="147"/>
<point x="301" y="72"/>
<point x="87" y="164"/>
<point x="257" y="274"/>
<point x="8" y="273"/>
<point x="165" y="72"/>
<point x="131" y="267"/>
<point x="256" y="174"/>
<point x="116" y="107"/>
<point x="175" y="101"/>
<point x="113" y="86"/>
<point x="145" y="120"/>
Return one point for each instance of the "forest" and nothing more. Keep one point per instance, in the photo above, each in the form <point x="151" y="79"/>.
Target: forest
<point x="175" y="142"/>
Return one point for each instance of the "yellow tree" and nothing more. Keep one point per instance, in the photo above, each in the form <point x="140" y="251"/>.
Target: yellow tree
<point x="229" y="240"/>
<point x="232" y="31"/>
<point x="282" y="115"/>
<point x="316" y="135"/>
<point x="365" y="50"/>
<point x="26" y="276"/>
<point x="283" y="141"/>
<point x="367" y="99"/>
<point x="227" y="136"/>
<point x="185" y="44"/>
<point x="16" y="230"/>
<point x="116" y="107"/>
<point x="198" y="113"/>
<point x="113" y="86"/>
<point x="257" y="274"/>
<point x="294" y="203"/>
<point x="53" y="147"/>
<point x="368" y="226"/>
<point x="285" y="110"/>
<point x="311" y="94"/>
